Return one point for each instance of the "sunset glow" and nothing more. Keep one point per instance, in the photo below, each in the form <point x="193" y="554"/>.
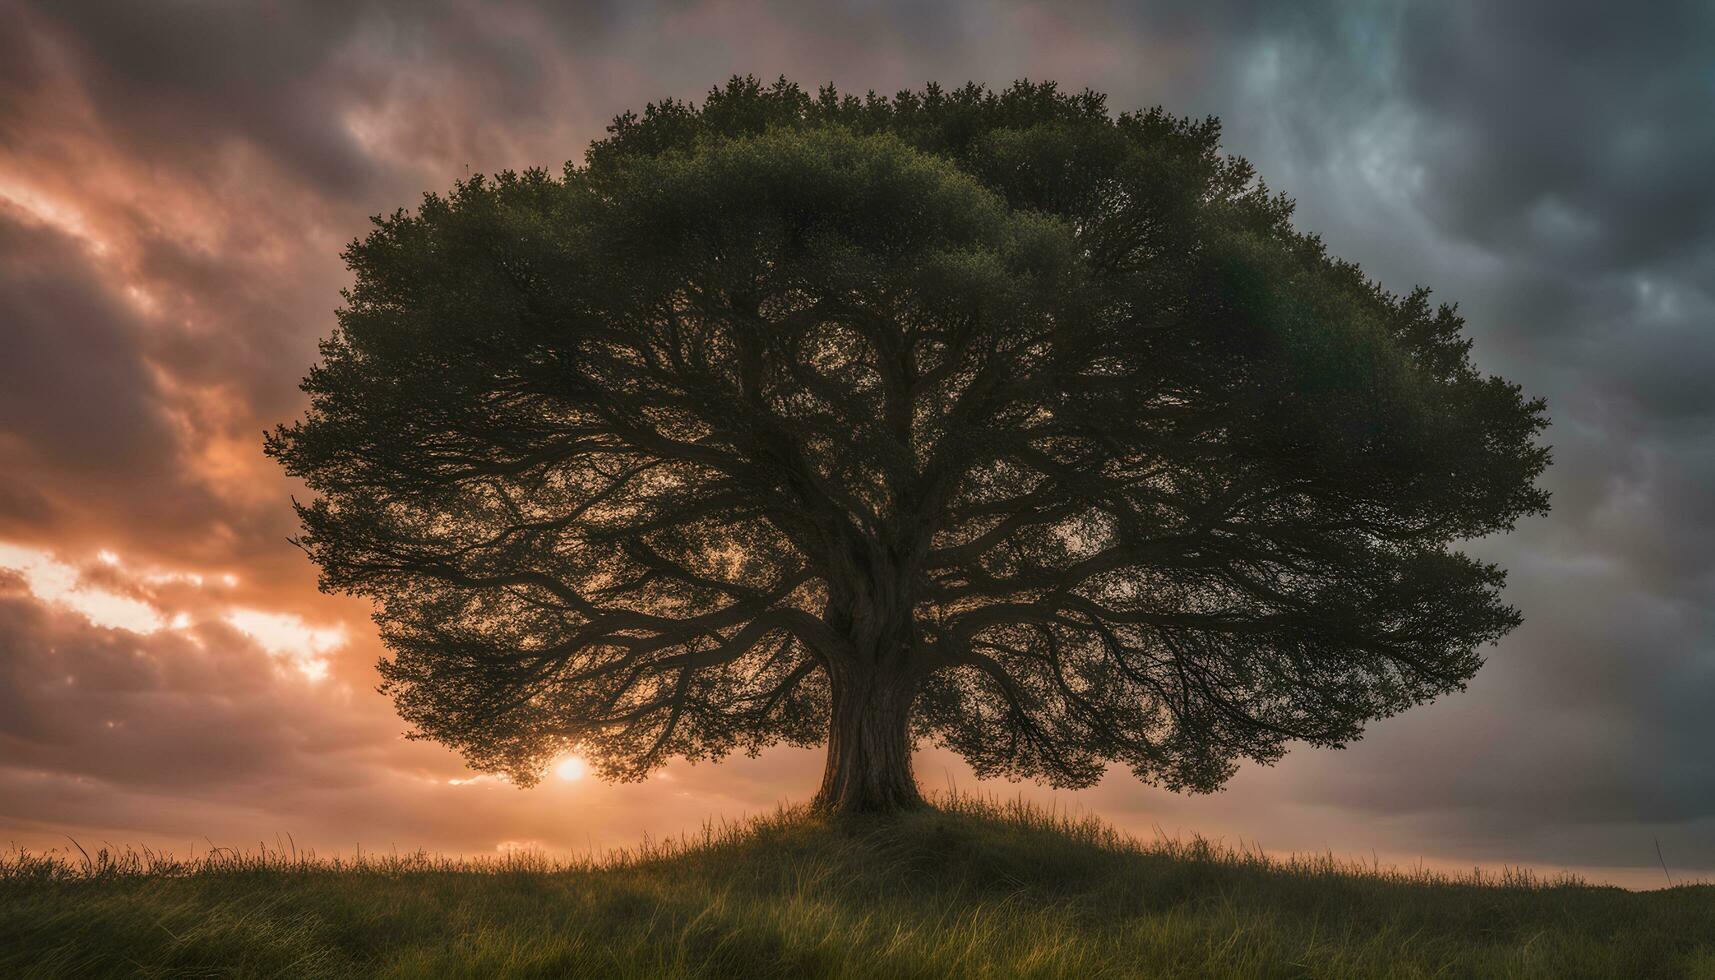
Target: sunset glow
<point x="53" y="580"/>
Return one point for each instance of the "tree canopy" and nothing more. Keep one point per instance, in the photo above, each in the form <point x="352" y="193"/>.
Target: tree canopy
<point x="988" y="418"/>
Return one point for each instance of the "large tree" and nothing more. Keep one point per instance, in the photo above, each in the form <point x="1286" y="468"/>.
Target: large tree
<point x="987" y="418"/>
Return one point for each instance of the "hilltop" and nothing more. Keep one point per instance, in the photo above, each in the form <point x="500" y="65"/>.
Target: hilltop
<point x="975" y="888"/>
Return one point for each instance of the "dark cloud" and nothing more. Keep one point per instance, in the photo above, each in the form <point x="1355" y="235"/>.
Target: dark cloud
<point x="1568" y="130"/>
<point x="64" y="333"/>
<point x="88" y="416"/>
<point x="108" y="704"/>
<point x="184" y="176"/>
<point x="181" y="77"/>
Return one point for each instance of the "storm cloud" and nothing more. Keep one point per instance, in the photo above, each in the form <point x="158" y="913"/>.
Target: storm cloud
<point x="176" y="183"/>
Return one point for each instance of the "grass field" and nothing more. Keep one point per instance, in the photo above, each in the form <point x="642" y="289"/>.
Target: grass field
<point x="975" y="889"/>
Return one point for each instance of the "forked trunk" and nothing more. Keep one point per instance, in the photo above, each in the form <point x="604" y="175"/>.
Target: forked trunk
<point x="869" y="747"/>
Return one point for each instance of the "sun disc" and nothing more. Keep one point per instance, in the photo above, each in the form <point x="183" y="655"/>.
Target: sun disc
<point x="571" y="769"/>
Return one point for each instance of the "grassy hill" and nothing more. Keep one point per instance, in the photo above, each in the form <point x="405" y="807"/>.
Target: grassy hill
<point x="975" y="889"/>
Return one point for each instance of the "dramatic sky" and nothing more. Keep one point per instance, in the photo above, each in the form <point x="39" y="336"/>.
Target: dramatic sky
<point x="177" y="179"/>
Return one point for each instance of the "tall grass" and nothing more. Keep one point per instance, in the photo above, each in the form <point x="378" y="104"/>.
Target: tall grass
<point x="977" y="887"/>
<point x="105" y="862"/>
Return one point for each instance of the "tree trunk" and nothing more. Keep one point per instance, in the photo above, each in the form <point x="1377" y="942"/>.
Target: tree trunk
<point x="869" y="747"/>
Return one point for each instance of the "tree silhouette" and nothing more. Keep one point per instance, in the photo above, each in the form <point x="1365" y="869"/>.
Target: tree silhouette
<point x="987" y="418"/>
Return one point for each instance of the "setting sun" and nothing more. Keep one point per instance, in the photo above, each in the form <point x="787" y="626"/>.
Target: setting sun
<point x="571" y="769"/>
